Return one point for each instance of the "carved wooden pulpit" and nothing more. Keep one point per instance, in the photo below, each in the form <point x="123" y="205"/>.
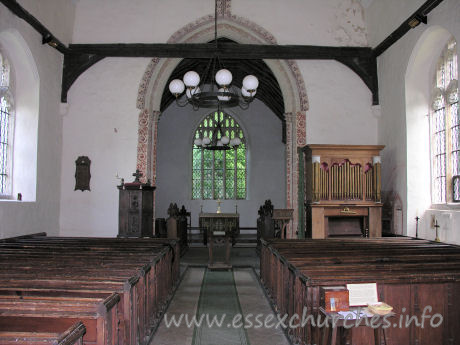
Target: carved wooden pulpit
<point x="135" y="212"/>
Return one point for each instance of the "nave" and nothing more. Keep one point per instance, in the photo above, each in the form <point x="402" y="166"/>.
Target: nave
<point x="108" y="291"/>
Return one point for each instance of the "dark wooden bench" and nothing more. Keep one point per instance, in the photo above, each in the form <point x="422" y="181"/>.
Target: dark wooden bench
<point x="408" y="273"/>
<point x="135" y="286"/>
<point x="70" y="336"/>
<point x="44" y="314"/>
<point x="142" y="271"/>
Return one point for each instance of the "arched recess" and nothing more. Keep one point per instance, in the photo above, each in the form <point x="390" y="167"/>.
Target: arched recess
<point x="26" y="111"/>
<point x="418" y="88"/>
<point x="286" y="72"/>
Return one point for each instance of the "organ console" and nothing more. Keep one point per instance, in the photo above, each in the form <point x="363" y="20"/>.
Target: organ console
<point x="343" y="190"/>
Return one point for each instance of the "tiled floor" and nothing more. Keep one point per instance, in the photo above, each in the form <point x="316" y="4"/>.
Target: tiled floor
<point x="251" y="298"/>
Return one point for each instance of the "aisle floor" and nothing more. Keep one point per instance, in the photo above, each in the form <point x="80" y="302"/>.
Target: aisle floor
<point x="195" y="296"/>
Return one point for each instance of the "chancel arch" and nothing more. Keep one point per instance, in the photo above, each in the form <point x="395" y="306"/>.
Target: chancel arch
<point x="287" y="74"/>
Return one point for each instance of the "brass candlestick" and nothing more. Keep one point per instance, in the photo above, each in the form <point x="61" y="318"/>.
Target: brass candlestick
<point x="436" y="225"/>
<point x="218" y="206"/>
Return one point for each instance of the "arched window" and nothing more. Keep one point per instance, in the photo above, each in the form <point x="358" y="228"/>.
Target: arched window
<point x="219" y="174"/>
<point x="6" y="127"/>
<point x="445" y="128"/>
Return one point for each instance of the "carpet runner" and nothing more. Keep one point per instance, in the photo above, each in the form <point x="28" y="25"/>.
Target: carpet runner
<point x="219" y="303"/>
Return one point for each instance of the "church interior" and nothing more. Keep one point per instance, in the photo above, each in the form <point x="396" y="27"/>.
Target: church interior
<point x="262" y="163"/>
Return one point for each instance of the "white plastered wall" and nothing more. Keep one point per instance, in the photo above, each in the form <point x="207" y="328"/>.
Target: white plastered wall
<point x="40" y="123"/>
<point x="101" y="123"/>
<point x="340" y="107"/>
<point x="326" y="22"/>
<point x="403" y="126"/>
<point x="56" y="15"/>
<point x="104" y="97"/>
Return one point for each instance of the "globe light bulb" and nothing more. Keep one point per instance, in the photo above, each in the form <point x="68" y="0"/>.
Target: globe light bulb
<point x="223" y="77"/>
<point x="176" y="87"/>
<point x="248" y="94"/>
<point x="191" y="79"/>
<point x="225" y="140"/>
<point x="223" y="98"/>
<point x="250" y="82"/>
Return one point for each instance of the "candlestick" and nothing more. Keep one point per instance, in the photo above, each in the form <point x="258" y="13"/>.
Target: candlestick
<point x="236" y="208"/>
<point x="416" y="226"/>
<point x="436" y="225"/>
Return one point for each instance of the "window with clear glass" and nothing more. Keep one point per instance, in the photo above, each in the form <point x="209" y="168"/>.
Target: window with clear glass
<point x="219" y="174"/>
<point x="445" y="128"/>
<point x="6" y="124"/>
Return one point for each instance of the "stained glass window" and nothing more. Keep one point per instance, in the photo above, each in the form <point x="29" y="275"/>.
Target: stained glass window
<point x="219" y="174"/>
<point x="5" y="127"/>
<point x="445" y="128"/>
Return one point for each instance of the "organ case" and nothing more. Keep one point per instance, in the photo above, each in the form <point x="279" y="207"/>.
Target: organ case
<point x="343" y="190"/>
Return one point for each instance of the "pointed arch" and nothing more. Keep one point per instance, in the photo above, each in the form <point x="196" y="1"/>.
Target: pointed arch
<point x="287" y="73"/>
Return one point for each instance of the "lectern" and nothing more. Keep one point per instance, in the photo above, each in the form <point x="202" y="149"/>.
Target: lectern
<point x="343" y="190"/>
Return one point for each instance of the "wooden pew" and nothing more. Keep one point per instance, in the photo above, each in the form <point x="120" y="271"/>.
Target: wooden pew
<point x="407" y="273"/>
<point x="45" y="314"/>
<point x="133" y="283"/>
<point x="143" y="272"/>
<point x="335" y="281"/>
<point x="165" y="284"/>
<point x="71" y="336"/>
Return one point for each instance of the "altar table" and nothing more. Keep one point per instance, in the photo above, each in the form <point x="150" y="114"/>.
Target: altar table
<point x="228" y="222"/>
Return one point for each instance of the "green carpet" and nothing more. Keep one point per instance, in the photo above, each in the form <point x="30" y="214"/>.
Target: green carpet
<point x="218" y="297"/>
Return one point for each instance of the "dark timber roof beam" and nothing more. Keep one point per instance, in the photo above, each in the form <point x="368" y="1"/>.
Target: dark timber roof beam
<point x="362" y="60"/>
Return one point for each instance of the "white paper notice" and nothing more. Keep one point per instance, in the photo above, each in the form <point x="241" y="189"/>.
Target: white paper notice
<point x="362" y="294"/>
<point x="352" y="314"/>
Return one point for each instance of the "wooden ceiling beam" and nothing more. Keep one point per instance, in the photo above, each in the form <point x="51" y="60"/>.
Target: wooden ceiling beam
<point x="359" y="59"/>
<point x="362" y="60"/>
<point x="223" y="50"/>
<point x="47" y="36"/>
<point x="419" y="16"/>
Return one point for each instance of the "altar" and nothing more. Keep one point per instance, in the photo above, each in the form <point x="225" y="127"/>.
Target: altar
<point x="227" y="222"/>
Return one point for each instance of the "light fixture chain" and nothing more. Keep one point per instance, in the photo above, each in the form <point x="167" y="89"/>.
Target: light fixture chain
<point x="225" y="96"/>
<point x="215" y="24"/>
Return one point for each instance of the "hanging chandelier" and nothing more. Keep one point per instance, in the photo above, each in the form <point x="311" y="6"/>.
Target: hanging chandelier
<point x="219" y="138"/>
<point x="217" y="92"/>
